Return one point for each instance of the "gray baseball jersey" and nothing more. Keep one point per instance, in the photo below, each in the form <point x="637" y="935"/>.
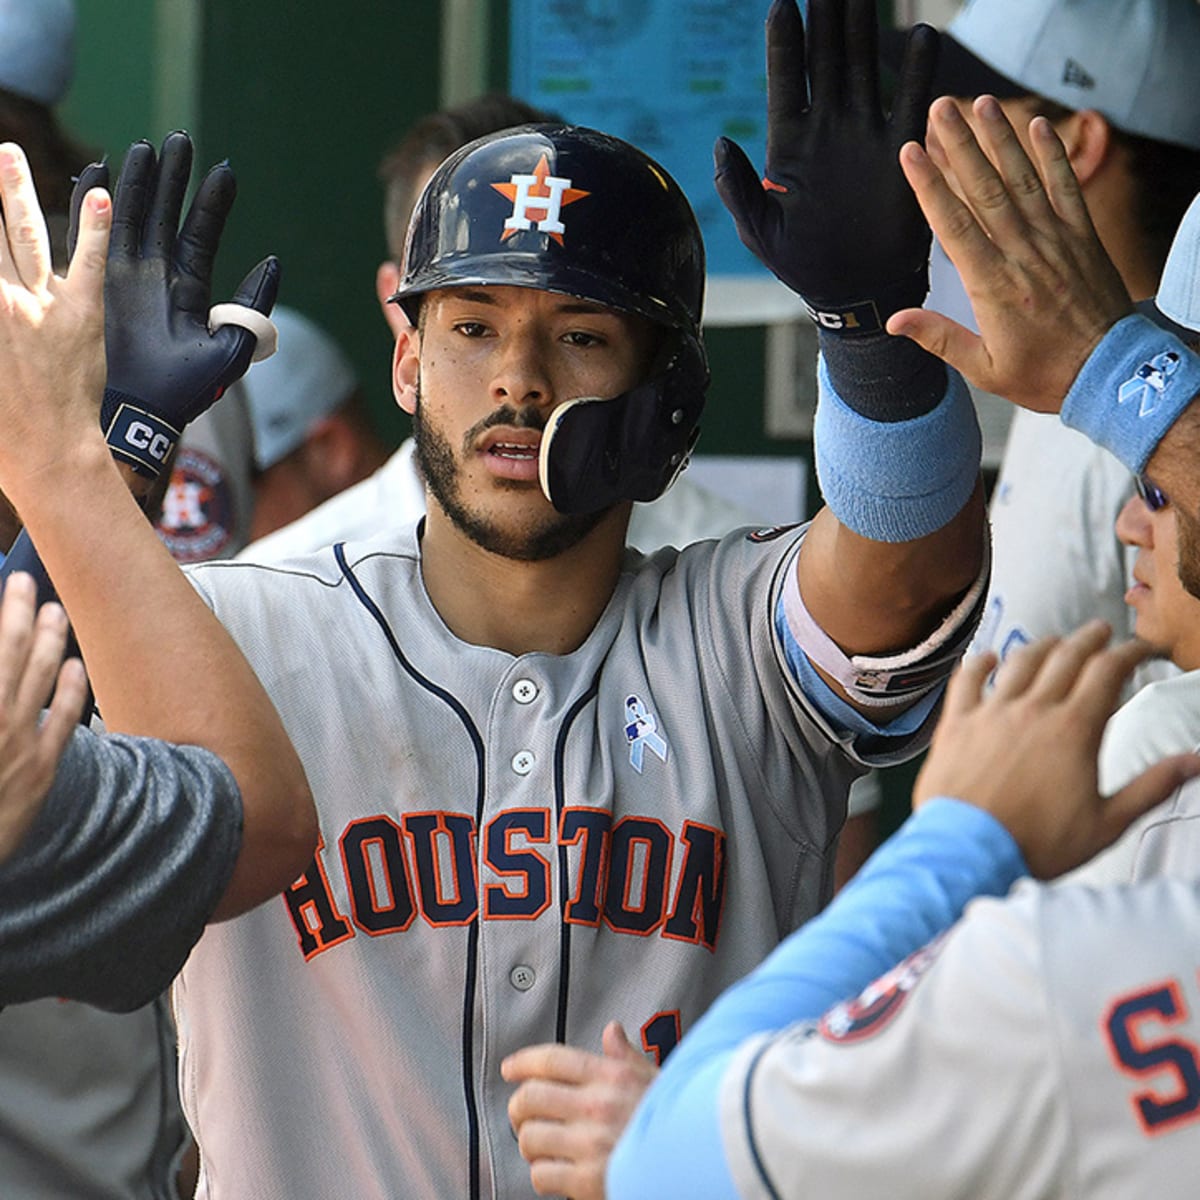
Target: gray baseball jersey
<point x="514" y="850"/>
<point x="1049" y="1046"/>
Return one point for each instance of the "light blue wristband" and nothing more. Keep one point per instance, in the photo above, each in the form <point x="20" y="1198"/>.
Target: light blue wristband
<point x="1132" y="389"/>
<point x="900" y="480"/>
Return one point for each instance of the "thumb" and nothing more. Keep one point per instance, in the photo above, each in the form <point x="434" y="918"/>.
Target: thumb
<point x="1142" y="794"/>
<point x="260" y="287"/>
<point x="741" y="191"/>
<point x="953" y="343"/>
<point x="615" y="1043"/>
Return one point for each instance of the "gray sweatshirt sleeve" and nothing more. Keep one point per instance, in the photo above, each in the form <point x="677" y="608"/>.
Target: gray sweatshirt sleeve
<point x="114" y="882"/>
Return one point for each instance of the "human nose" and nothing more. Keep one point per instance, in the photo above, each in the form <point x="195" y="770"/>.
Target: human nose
<point x="1133" y="525"/>
<point x="521" y="378"/>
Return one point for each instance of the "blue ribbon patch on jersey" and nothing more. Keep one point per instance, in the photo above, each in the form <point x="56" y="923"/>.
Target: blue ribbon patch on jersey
<point x="641" y="732"/>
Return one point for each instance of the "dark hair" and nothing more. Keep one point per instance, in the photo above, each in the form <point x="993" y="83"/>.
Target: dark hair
<point x="1166" y="178"/>
<point x="430" y="139"/>
<point x="55" y="159"/>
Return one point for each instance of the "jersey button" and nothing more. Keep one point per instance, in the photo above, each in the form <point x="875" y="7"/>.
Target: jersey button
<point x="522" y="977"/>
<point x="523" y="761"/>
<point x="524" y="691"/>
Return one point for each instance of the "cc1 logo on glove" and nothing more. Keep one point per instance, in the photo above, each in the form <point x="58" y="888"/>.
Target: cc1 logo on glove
<point x="170" y="352"/>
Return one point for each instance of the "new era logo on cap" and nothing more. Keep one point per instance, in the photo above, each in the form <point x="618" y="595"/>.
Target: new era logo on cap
<point x="1075" y="76"/>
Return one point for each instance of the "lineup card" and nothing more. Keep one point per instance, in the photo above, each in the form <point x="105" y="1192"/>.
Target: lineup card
<point x="666" y="76"/>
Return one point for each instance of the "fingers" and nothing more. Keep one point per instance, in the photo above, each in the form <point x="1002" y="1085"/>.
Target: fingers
<point x="166" y="200"/>
<point x="200" y="237"/>
<point x="44" y="658"/>
<point x="1062" y="185"/>
<point x="131" y="197"/>
<point x="260" y="287"/>
<point x="914" y="87"/>
<point x="741" y="192"/>
<point x="89" y="257"/>
<point x="16" y="632"/>
<point x="953" y="223"/>
<point x="1148" y="790"/>
<point x="27" y="256"/>
<point x="787" y="81"/>
<point x="65" y="711"/>
<point x="953" y="343"/>
<point x="862" y="56"/>
<point x="826" y="52"/>
<point x="94" y="175"/>
<point x="965" y="689"/>
<point x="551" y="1060"/>
<point x="616" y="1044"/>
<point x="1063" y="666"/>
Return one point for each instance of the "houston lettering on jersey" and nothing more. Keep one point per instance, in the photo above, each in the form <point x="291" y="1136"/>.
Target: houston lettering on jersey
<point x="634" y="875"/>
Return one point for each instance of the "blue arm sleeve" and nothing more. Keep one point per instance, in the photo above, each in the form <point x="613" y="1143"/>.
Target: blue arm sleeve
<point x="913" y="888"/>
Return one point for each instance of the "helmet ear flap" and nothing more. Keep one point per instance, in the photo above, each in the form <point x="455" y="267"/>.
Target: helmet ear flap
<point x="596" y="453"/>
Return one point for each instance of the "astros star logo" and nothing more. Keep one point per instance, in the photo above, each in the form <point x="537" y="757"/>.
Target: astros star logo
<point x="542" y="193"/>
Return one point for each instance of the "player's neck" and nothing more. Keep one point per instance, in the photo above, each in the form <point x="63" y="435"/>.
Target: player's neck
<point x="521" y="607"/>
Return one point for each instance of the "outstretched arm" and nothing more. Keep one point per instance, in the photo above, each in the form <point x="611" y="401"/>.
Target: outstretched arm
<point x="1023" y="759"/>
<point x="901" y="539"/>
<point x="187" y="682"/>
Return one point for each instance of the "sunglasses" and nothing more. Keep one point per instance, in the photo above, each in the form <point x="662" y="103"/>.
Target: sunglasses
<point x="1155" y="498"/>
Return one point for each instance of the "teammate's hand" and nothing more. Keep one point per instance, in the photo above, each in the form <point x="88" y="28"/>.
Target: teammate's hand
<point x="1026" y="750"/>
<point x="834" y="218"/>
<point x="51" y="333"/>
<point x="163" y="363"/>
<point x="1042" y="288"/>
<point x="571" y="1107"/>
<point x="30" y="657"/>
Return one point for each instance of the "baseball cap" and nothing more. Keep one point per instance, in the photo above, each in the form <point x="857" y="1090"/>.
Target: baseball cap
<point x="1178" y="296"/>
<point x="306" y="379"/>
<point x="37" y="48"/>
<point x="1133" y="61"/>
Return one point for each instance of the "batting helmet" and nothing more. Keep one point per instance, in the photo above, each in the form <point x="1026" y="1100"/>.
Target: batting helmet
<point x="570" y="210"/>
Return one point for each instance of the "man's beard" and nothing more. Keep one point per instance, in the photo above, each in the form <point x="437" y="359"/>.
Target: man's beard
<point x="1187" y="532"/>
<point x="547" y="538"/>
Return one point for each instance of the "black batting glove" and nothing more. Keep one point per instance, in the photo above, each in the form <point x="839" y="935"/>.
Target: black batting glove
<point x="834" y="218"/>
<point x="164" y="366"/>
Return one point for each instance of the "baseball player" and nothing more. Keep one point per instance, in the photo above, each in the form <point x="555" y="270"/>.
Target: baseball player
<point x="494" y="871"/>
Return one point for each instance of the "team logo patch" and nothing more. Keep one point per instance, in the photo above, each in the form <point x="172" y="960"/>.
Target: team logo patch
<point x="197" y="519"/>
<point x="874" y="1008"/>
<point x="541" y="194"/>
<point x="641" y="732"/>
<point x="1149" y="382"/>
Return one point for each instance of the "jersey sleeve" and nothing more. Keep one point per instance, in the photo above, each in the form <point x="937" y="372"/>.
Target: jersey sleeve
<point x="945" y="1067"/>
<point x="912" y="888"/>
<point x="113" y="884"/>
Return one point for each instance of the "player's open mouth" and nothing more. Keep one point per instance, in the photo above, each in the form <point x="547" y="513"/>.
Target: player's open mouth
<point x="513" y="450"/>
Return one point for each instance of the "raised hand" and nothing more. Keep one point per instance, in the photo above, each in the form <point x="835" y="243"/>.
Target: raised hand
<point x="165" y="364"/>
<point x="834" y="219"/>
<point x="1026" y="750"/>
<point x="1042" y="288"/>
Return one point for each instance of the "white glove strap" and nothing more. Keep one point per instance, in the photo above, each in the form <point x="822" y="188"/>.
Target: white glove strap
<point x="266" y="336"/>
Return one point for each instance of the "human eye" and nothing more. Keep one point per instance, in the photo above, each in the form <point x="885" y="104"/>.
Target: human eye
<point x="471" y="329"/>
<point x="583" y="338"/>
